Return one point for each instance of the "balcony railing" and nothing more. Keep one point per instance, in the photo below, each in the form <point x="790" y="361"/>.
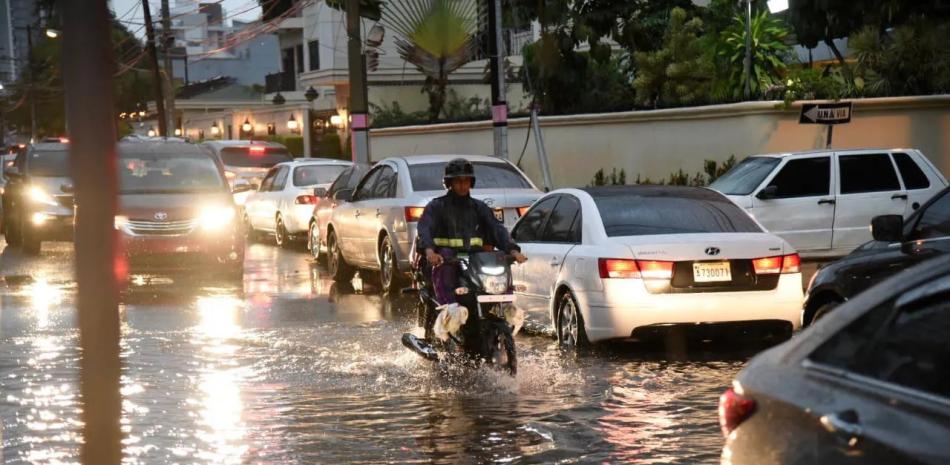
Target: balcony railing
<point x="280" y="82"/>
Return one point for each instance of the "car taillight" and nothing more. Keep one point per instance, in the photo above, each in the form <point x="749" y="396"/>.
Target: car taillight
<point x="733" y="410"/>
<point x="652" y="269"/>
<point x="636" y="269"/>
<point x="777" y="264"/>
<point x="306" y="200"/>
<point x="413" y="214"/>
<point x="257" y="149"/>
<point x="522" y="211"/>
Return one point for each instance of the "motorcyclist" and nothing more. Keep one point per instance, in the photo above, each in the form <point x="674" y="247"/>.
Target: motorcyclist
<point x="457" y="223"/>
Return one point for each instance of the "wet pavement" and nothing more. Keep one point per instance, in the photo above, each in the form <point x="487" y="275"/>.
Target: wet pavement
<point x="290" y="368"/>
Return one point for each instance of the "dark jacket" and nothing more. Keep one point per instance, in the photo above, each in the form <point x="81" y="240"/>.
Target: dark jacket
<point x="462" y="223"/>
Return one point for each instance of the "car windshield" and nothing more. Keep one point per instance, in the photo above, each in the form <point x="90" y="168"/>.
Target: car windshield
<point x="49" y="164"/>
<point x="428" y="176"/>
<point x="256" y="157"/>
<point x="636" y="215"/>
<point x="311" y="175"/>
<point x="163" y="173"/>
<point x="746" y="176"/>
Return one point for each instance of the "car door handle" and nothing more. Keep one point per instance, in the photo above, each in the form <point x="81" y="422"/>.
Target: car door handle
<point x="555" y="261"/>
<point x="379" y="212"/>
<point x="828" y="201"/>
<point x="899" y="196"/>
<point x="844" y="424"/>
<point x="357" y="213"/>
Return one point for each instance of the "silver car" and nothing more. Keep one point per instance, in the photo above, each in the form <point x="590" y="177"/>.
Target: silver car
<point x="247" y="161"/>
<point x="376" y="229"/>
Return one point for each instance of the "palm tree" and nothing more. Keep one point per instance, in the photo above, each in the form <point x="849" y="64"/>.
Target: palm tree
<point x="437" y="37"/>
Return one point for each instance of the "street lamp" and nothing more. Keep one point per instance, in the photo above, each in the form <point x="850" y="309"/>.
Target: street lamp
<point x="778" y="6"/>
<point x="151" y="132"/>
<point x="246" y="127"/>
<point x="278" y="99"/>
<point x="177" y="132"/>
<point x="292" y="123"/>
<point x="52" y="33"/>
<point x="336" y="120"/>
<point x="311" y="94"/>
<point x="215" y="130"/>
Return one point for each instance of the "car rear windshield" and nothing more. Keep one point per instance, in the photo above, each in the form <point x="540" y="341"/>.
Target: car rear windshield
<point x="636" y="215"/>
<point x="428" y="176"/>
<point x="162" y="173"/>
<point x="49" y="164"/>
<point x="311" y="175"/>
<point x="260" y="157"/>
<point x="743" y="178"/>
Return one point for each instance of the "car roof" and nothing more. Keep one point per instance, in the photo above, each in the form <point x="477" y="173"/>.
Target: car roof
<point x="159" y="147"/>
<point x="818" y="151"/>
<point x="241" y="143"/>
<point x="50" y="147"/>
<point x="425" y="159"/>
<point x="316" y="161"/>
<point x="651" y="190"/>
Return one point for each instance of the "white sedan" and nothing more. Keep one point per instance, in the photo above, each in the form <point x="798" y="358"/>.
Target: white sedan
<point x="284" y="202"/>
<point x="634" y="262"/>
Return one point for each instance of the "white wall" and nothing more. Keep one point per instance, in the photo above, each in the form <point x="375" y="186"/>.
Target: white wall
<point x="656" y="143"/>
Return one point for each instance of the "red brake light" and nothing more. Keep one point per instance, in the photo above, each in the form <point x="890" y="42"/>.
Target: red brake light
<point x="306" y="200"/>
<point x="618" y="268"/>
<point x="522" y="211"/>
<point x="733" y="410"/>
<point x="791" y="263"/>
<point x="414" y="214"/>
<point x="63" y="140"/>
<point x="652" y="269"/>
<point x="257" y="149"/>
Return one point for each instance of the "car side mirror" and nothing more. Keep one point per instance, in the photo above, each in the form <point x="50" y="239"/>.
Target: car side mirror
<point x="67" y="188"/>
<point x="887" y="228"/>
<point x="344" y="195"/>
<point x="240" y="188"/>
<point x="768" y="193"/>
<point x="320" y="192"/>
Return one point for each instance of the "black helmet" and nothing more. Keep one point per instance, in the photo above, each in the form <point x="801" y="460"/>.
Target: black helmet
<point x="458" y="168"/>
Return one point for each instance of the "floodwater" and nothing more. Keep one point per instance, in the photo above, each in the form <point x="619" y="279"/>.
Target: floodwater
<point x="289" y="368"/>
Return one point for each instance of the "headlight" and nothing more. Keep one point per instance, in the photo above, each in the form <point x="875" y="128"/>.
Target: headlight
<point x="215" y="218"/>
<point x="120" y="222"/>
<point x="494" y="284"/>
<point x="38" y="195"/>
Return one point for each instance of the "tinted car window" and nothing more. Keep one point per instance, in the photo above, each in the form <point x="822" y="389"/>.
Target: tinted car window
<point x="803" y="177"/>
<point x="160" y="173"/>
<point x="530" y="227"/>
<point x="428" y="176"/>
<point x="935" y="220"/>
<point x="244" y="157"/>
<point x="268" y="181"/>
<point x="51" y="164"/>
<point x="561" y="221"/>
<point x="913" y="177"/>
<point x="635" y="215"/>
<point x="281" y="179"/>
<point x="365" y="190"/>
<point x="311" y="175"/>
<point x="867" y="173"/>
<point x="340" y="182"/>
<point x="385" y="185"/>
<point x="743" y="178"/>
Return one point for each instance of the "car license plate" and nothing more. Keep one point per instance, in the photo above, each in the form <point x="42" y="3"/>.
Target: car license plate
<point x="499" y="214"/>
<point x="485" y="299"/>
<point x="711" y="272"/>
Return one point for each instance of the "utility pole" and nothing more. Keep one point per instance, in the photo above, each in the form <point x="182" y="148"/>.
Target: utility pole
<point x="748" y="51"/>
<point x="167" y="41"/>
<point x="499" y="107"/>
<point x="359" y="107"/>
<point x="32" y="74"/>
<point x="88" y="68"/>
<point x="156" y="73"/>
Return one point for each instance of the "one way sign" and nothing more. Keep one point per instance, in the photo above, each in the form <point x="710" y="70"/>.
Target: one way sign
<point x="825" y="113"/>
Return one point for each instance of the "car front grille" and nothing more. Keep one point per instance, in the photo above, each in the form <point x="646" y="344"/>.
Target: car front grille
<point x="161" y="228"/>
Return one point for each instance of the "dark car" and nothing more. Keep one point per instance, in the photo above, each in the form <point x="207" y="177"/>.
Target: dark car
<point x="897" y="244"/>
<point x="340" y="191"/>
<point x="868" y="384"/>
<point x="176" y="211"/>
<point x="38" y="197"/>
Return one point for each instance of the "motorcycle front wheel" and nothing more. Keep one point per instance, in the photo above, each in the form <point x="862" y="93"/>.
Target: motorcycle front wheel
<point x="501" y="350"/>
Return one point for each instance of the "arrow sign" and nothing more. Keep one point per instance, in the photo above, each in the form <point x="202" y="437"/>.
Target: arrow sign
<point x="825" y="113"/>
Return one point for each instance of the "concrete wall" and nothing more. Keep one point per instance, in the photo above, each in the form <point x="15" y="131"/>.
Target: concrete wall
<point x="656" y="143"/>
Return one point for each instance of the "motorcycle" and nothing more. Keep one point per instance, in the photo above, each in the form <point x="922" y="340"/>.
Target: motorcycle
<point x="486" y="291"/>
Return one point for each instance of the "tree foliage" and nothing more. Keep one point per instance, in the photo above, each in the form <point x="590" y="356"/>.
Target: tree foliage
<point x="911" y="59"/>
<point x="678" y="73"/>
<point x="769" y="54"/>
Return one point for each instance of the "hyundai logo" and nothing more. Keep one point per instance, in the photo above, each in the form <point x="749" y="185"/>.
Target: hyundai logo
<point x="162" y="216"/>
<point x="489" y="202"/>
<point x="712" y="250"/>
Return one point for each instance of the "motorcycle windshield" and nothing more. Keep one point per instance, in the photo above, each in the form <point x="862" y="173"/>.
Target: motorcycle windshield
<point x="491" y="263"/>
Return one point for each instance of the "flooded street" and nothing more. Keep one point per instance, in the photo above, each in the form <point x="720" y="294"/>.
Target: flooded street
<point x="289" y="368"/>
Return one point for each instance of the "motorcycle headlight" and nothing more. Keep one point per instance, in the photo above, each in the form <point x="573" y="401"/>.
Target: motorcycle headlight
<point x="38" y="195"/>
<point x="494" y="284"/>
<point x="216" y="218"/>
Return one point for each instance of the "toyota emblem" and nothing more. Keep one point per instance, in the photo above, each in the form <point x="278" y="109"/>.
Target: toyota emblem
<point x="162" y="216"/>
<point x="712" y="250"/>
<point x="490" y="202"/>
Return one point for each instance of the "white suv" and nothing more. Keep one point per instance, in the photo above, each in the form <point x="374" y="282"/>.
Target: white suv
<point x="822" y="201"/>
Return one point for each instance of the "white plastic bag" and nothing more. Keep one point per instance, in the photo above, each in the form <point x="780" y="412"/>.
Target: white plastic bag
<point x="515" y="317"/>
<point x="450" y="319"/>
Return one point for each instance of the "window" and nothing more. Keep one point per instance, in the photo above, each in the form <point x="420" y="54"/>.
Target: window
<point x="281" y="179"/>
<point x="314" y="48"/>
<point x="341" y="182"/>
<point x="287" y="61"/>
<point x="53" y="164"/>
<point x="913" y="177"/>
<point x="428" y="177"/>
<point x="268" y="180"/>
<point x="298" y="50"/>
<point x="243" y="157"/>
<point x="867" y="173"/>
<point x="559" y="227"/>
<point x="166" y="173"/>
<point x="626" y="213"/>
<point x="803" y="177"/>
<point x="935" y="220"/>
<point x="365" y="189"/>
<point x="746" y="176"/>
<point x="311" y="175"/>
<point x="530" y="227"/>
<point x="385" y="185"/>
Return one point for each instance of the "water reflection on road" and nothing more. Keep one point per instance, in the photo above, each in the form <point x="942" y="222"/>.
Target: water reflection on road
<point x="288" y="367"/>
